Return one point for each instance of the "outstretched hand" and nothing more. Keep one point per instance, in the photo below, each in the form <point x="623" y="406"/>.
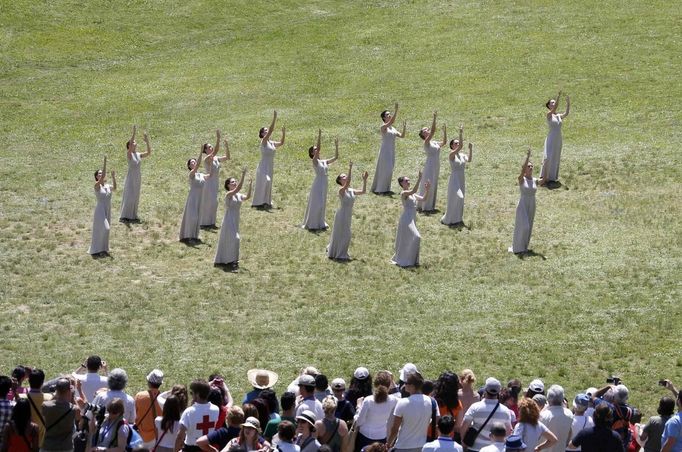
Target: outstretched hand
<point x="365" y="175"/>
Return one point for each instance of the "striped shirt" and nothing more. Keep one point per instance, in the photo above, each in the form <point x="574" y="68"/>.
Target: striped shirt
<point x="479" y="412"/>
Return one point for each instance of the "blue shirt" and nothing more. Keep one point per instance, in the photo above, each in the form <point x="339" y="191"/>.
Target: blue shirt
<point x="673" y="429"/>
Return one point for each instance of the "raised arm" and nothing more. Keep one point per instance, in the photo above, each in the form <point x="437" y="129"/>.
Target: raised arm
<point x="461" y="135"/>
<point x="271" y="128"/>
<point x="415" y="188"/>
<point x="365" y="175"/>
<point x="445" y="136"/>
<point x="194" y="170"/>
<point x="227" y="152"/>
<point x="149" y="147"/>
<point x="346" y="184"/>
<point x="132" y="138"/>
<point x="427" y="187"/>
<point x="113" y="180"/>
<point x="523" y="167"/>
<point x="102" y="179"/>
<point x="217" y="144"/>
<point x="432" y="130"/>
<point x="568" y="108"/>
<point x="390" y="122"/>
<point x="281" y="142"/>
<point x="239" y="184"/>
<point x="471" y="152"/>
<point x="248" y="195"/>
<point x="402" y="134"/>
<point x="336" y="152"/>
<point x="316" y="153"/>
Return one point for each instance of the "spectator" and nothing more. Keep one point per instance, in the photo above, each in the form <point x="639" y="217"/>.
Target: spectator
<point x="373" y="416"/>
<point x="198" y="419"/>
<point x="581" y="420"/>
<point x="411" y="417"/>
<point x="5" y="405"/>
<point x="514" y="388"/>
<point x="540" y="400"/>
<point x="535" y="387"/>
<point x="60" y="416"/>
<point x="263" y="411"/>
<point x="360" y="386"/>
<point x="446" y="393"/>
<point x="270" y="397"/>
<point x="305" y="428"/>
<point x="322" y="387"/>
<point x="92" y="381"/>
<point x="671" y="441"/>
<point x="466" y="393"/>
<point x="114" y="431"/>
<point x="217" y="399"/>
<point x="479" y="412"/>
<point x="622" y="412"/>
<point x="259" y="379"/>
<point x="117" y="381"/>
<point x="653" y="430"/>
<point x="147" y="408"/>
<point x="530" y="429"/>
<point x="507" y="399"/>
<point x="19" y="374"/>
<point x="288" y="403"/>
<point x="216" y="381"/>
<point x="635" y="423"/>
<point x="286" y="432"/>
<point x="219" y="438"/>
<point x="344" y="409"/>
<point x="557" y="418"/>
<point x="20" y="434"/>
<point x="498" y="435"/>
<point x="514" y="443"/>
<point x="306" y="386"/>
<point x="590" y="408"/>
<point x="406" y="370"/>
<point x="249" y="436"/>
<point x="600" y="437"/>
<point x="330" y="430"/>
<point x="167" y="425"/>
<point x="310" y="370"/>
<point x="36" y="397"/>
<point x="444" y="442"/>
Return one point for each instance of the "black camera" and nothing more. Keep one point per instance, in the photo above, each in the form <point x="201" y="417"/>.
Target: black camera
<point x="614" y="380"/>
<point x="97" y="410"/>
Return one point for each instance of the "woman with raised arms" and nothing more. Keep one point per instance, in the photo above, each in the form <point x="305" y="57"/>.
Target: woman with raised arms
<point x="456" y="188"/>
<point x="209" y="200"/>
<point x="431" y="167"/>
<point x="262" y="196"/>
<point x="340" y="241"/>
<point x="525" y="209"/>
<point x="133" y="182"/>
<point x="408" y="240"/>
<point x="101" y="221"/>
<point x="317" y="200"/>
<point x="381" y="183"/>
<point x="228" y="244"/>
<point x="189" y="229"/>
<point x="553" y="142"/>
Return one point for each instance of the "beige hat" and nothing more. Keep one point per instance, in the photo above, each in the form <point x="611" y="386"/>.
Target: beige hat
<point x="261" y="378"/>
<point x="252" y="422"/>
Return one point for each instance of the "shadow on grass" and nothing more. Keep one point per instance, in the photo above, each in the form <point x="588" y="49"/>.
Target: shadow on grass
<point x="428" y="213"/>
<point x="102" y="255"/>
<point x="265" y="208"/>
<point x="193" y="243"/>
<point x="210" y="228"/>
<point x="128" y="222"/>
<point x="458" y="226"/>
<point x="228" y="268"/>
<point x="316" y="231"/>
<point x="554" y="185"/>
<point x="530" y="253"/>
<point x="388" y="194"/>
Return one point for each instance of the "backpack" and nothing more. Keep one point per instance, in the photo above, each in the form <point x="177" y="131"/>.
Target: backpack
<point x="134" y="438"/>
<point x="622" y="424"/>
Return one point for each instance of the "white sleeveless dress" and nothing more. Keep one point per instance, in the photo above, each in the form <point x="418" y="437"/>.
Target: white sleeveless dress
<point x="553" y="144"/>
<point x="407" y="240"/>
<point x="228" y="244"/>
<point x="189" y="229"/>
<point x="262" y="193"/>
<point x="454" y="211"/>
<point x="340" y="241"/>
<point x="317" y="199"/>
<point x="430" y="173"/>
<point x="101" y="221"/>
<point x="131" y="189"/>
<point x="385" y="162"/>
<point x="525" y="215"/>
<point x="209" y="199"/>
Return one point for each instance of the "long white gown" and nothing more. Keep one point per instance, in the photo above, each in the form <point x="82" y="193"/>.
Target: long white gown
<point x="385" y="162"/>
<point x="525" y="215"/>
<point x="131" y="189"/>
<point x="209" y="196"/>
<point x="228" y="244"/>
<point x="189" y="229"/>
<point x="454" y="211"/>
<point x="407" y="240"/>
<point x="262" y="193"/>
<point x="317" y="199"/>
<point x="340" y="241"/>
<point x="430" y="173"/>
<point x="101" y="221"/>
<point x="552" y="154"/>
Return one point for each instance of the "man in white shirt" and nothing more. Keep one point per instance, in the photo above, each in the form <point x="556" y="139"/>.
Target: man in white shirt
<point x="477" y="415"/>
<point x="92" y="381"/>
<point x="198" y="419"/>
<point x="117" y="381"/>
<point x="558" y="419"/>
<point x="306" y="387"/>
<point x="444" y="443"/>
<point x="411" y="417"/>
<point x="498" y="434"/>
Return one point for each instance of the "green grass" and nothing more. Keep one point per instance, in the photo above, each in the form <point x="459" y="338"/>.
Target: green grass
<point x="74" y="76"/>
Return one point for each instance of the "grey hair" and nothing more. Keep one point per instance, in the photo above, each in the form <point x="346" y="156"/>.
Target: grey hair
<point x="118" y="379"/>
<point x="555" y="395"/>
<point x="620" y="394"/>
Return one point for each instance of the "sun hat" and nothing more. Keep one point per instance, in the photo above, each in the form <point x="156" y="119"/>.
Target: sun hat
<point x="338" y="384"/>
<point x="492" y="386"/>
<point x="306" y="380"/>
<point x="307" y="416"/>
<point x="407" y="369"/>
<point x="262" y="378"/>
<point x="514" y="442"/>
<point x="155" y="377"/>
<point x="536" y="386"/>
<point x="252" y="422"/>
<point x="361" y="373"/>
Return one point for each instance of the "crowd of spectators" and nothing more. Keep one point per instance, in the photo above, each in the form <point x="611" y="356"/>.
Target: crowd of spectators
<point x="90" y="410"/>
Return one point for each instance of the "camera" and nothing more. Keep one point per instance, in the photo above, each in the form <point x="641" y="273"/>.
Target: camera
<point x="97" y="410"/>
<point x="662" y="382"/>
<point x="614" y="380"/>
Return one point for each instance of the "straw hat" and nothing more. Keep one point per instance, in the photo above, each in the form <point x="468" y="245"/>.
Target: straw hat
<point x="261" y="378"/>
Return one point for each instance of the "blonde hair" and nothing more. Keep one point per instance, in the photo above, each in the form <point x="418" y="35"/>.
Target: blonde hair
<point x="468" y="376"/>
<point x="329" y="404"/>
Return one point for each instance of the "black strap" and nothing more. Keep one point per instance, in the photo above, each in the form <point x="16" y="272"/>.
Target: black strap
<point x="307" y="441"/>
<point x="148" y="409"/>
<point x="159" y="440"/>
<point x="59" y="420"/>
<point x="328" y="439"/>
<point x="486" y="421"/>
<point x="33" y="404"/>
<point x="434" y="434"/>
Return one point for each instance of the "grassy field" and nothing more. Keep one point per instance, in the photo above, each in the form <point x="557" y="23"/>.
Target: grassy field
<point x="601" y="296"/>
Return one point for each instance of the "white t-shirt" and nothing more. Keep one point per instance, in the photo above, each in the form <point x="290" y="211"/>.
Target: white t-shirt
<point x="580" y="422"/>
<point x="313" y="405"/>
<point x="559" y="421"/>
<point x="103" y="398"/>
<point x="415" y="411"/>
<point x="92" y="381"/>
<point x="372" y="419"/>
<point x="168" y="439"/>
<point x="199" y="420"/>
<point x="479" y="412"/>
<point x="495" y="447"/>
<point x="530" y="434"/>
<point x="442" y="444"/>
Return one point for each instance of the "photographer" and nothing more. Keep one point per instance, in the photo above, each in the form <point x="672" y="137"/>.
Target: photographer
<point x="92" y="380"/>
<point x="622" y="412"/>
<point x="60" y="415"/>
<point x="112" y="434"/>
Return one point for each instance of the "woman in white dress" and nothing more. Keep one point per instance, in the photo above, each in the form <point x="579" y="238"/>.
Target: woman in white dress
<point x="209" y="199"/>
<point x="101" y="221"/>
<point x="525" y="210"/>
<point x="133" y="182"/>
<point x="317" y="200"/>
<point x="454" y="211"/>
<point x="381" y="184"/>
<point x="431" y="167"/>
<point x="228" y="244"/>
<point x="262" y="196"/>
<point x="189" y="229"/>
<point x="407" y="240"/>
<point x="553" y="142"/>
<point x="340" y="241"/>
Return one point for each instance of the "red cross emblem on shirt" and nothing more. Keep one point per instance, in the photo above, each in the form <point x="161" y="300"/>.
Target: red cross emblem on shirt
<point x="206" y="425"/>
